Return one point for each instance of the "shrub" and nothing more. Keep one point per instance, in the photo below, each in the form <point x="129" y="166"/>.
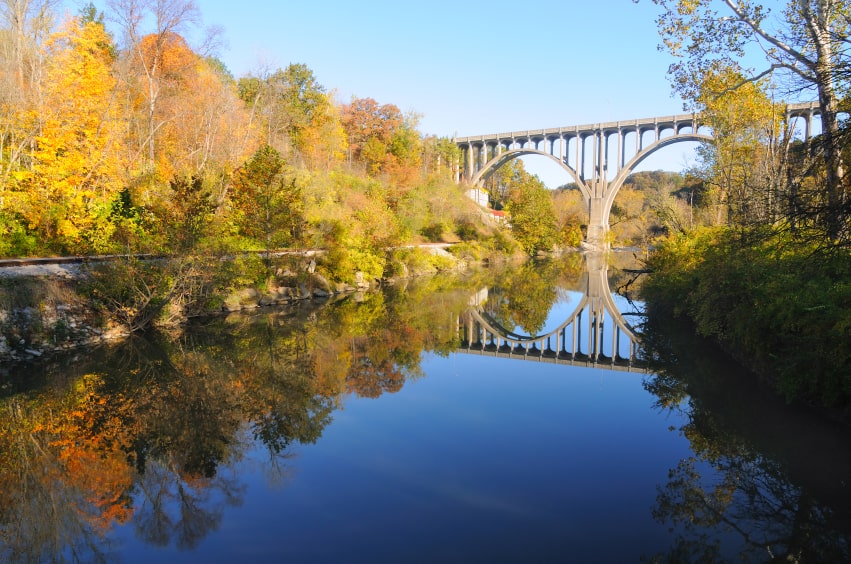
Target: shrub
<point x="778" y="305"/>
<point x="15" y="241"/>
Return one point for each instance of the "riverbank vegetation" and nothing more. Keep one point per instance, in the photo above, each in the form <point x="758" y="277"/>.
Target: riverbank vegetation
<point x="149" y="145"/>
<point x="763" y="266"/>
<point x="782" y="308"/>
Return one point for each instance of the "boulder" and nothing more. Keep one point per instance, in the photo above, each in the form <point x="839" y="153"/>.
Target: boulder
<point x="343" y="288"/>
<point x="319" y="281"/>
<point x="360" y="281"/>
<point x="246" y="298"/>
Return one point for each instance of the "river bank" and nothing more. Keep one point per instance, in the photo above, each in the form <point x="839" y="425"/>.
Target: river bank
<point x="49" y="308"/>
<point x="781" y="308"/>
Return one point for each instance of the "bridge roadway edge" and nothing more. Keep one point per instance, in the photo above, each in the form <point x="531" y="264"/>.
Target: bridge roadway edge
<point x="604" y="364"/>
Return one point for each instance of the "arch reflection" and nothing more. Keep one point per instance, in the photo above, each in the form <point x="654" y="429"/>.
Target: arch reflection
<point x="595" y="334"/>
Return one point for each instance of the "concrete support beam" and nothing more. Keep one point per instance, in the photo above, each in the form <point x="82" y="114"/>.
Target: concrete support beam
<point x="598" y="229"/>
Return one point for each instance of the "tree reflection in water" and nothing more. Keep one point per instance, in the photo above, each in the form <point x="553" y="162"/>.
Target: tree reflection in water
<point x="757" y="487"/>
<point x="151" y="432"/>
<point x="524" y="297"/>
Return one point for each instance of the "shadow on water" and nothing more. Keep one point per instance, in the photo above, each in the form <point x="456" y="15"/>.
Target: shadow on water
<point x="766" y="481"/>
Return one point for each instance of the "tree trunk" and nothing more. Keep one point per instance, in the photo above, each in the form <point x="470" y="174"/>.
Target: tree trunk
<point x="833" y="159"/>
<point x="825" y="70"/>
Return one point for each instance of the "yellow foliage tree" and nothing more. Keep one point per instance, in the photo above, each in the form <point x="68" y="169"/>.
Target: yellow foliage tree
<point x="76" y="167"/>
<point x="744" y="124"/>
<point x="323" y="140"/>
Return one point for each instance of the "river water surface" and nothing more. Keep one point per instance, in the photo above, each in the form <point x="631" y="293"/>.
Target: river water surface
<point x="398" y="427"/>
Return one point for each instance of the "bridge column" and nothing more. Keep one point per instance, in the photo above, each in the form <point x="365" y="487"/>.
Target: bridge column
<point x="597" y="228"/>
<point x="619" y="154"/>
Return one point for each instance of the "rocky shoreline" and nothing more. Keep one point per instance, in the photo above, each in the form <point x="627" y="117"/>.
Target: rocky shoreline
<point x="43" y="312"/>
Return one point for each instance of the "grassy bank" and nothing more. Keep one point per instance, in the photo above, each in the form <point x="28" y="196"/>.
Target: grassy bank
<point x="781" y="307"/>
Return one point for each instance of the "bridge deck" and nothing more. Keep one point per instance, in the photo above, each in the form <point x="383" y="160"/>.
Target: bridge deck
<point x="605" y="363"/>
<point x="806" y="108"/>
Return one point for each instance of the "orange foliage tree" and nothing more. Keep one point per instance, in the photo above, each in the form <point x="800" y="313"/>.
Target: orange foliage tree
<point x="370" y="128"/>
<point x="383" y="139"/>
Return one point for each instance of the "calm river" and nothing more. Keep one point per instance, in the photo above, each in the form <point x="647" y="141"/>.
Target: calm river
<point x="503" y="416"/>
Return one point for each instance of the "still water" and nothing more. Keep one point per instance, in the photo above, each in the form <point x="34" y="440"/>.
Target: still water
<point x="397" y="427"/>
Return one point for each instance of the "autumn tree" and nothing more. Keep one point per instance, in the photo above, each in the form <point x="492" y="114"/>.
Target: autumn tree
<point x="29" y="22"/>
<point x="76" y="168"/>
<point x="629" y="220"/>
<point x="207" y="130"/>
<point x="322" y="142"/>
<point x="570" y="213"/>
<point x="301" y="100"/>
<point x="370" y="128"/>
<point x="154" y="61"/>
<point x="440" y="155"/>
<point x="24" y="26"/>
<point x="404" y="154"/>
<point x="296" y="114"/>
<point x="741" y="164"/>
<point x="804" y="43"/>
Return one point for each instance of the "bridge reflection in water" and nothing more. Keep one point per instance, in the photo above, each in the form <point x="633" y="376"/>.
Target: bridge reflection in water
<point x="596" y="334"/>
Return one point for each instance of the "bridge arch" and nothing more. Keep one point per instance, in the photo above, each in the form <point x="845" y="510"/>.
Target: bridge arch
<point x="582" y="329"/>
<point x="594" y="145"/>
<point x="505" y="157"/>
<point x="628" y="168"/>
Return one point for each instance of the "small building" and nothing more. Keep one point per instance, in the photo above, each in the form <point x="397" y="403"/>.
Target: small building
<point x="498" y="215"/>
<point x="479" y="195"/>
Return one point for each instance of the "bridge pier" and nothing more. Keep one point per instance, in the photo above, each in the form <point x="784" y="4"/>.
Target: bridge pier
<point x="598" y="229"/>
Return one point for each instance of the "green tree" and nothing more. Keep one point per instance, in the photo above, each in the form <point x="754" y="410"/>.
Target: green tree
<point x="271" y="205"/>
<point x="533" y="219"/>
<point x="292" y="106"/>
<point x="300" y="99"/>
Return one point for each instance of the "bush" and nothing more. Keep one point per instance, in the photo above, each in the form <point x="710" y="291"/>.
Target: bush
<point x="416" y="261"/>
<point x="342" y="263"/>
<point x="434" y="232"/>
<point x="15" y="241"/>
<point x="778" y="305"/>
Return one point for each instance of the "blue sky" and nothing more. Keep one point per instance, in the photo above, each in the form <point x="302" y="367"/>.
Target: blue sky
<point x="469" y="67"/>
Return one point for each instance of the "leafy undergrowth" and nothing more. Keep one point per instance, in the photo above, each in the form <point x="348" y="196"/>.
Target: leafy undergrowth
<point x="780" y="306"/>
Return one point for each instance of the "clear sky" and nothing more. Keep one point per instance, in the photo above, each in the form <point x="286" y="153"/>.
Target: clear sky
<point x="467" y="67"/>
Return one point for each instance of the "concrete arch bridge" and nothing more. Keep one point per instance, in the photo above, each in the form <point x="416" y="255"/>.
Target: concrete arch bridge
<point x="596" y="334"/>
<point x="598" y="157"/>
